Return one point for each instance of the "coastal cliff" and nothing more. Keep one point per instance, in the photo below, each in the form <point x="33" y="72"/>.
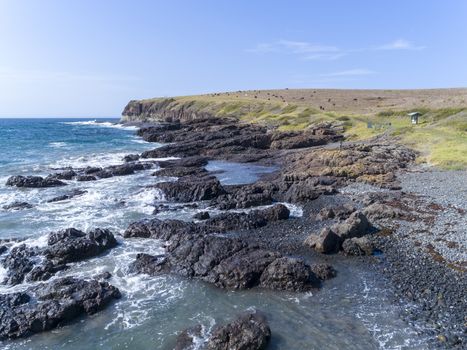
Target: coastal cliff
<point x="364" y="114"/>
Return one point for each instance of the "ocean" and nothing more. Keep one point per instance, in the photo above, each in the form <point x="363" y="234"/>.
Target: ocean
<point x="351" y="311"/>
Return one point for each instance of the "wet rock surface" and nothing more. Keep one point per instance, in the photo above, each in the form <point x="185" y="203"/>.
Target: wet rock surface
<point x="33" y="181"/>
<point x="48" y="306"/>
<point x="84" y="174"/>
<point x="225" y="262"/>
<point x="249" y="331"/>
<point x="17" y="206"/>
<point x="32" y="263"/>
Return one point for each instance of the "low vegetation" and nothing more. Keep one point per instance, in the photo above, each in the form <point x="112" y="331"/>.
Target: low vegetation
<point x="440" y="136"/>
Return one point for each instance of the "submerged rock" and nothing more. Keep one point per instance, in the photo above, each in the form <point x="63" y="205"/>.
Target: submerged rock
<point x="17" y="206"/>
<point x="48" y="306"/>
<point x="33" y="181"/>
<point x="69" y="195"/>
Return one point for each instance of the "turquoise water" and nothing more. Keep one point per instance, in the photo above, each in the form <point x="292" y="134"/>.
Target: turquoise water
<point x="352" y="311"/>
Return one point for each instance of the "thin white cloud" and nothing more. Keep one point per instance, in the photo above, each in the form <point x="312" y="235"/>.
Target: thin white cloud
<point x="350" y="72"/>
<point x="304" y="50"/>
<point x="313" y="51"/>
<point x="400" y="44"/>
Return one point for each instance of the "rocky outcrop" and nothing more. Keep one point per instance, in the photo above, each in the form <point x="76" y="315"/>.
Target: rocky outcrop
<point x="249" y="331"/>
<point x="72" y="245"/>
<point x="227" y="263"/>
<point x="48" y="306"/>
<point x="191" y="189"/>
<point x="63" y="247"/>
<point x="33" y="181"/>
<point x="165" y="229"/>
<point x="86" y="174"/>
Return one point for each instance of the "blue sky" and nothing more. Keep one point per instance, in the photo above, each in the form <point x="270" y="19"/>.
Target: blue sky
<point x="88" y="58"/>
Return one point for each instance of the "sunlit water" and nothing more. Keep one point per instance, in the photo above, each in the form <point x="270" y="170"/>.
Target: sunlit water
<point x="351" y="311"/>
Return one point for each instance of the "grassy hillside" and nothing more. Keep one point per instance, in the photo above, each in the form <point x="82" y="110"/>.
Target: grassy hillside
<point x="441" y="135"/>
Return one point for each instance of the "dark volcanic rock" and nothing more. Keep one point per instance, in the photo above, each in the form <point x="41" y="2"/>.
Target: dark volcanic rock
<point x="246" y="196"/>
<point x="186" y="338"/>
<point x="64" y="175"/>
<point x="165" y="229"/>
<point x="73" y="245"/>
<point x="48" y="306"/>
<point x="191" y="189"/>
<point x="131" y="157"/>
<point x="34" y="263"/>
<point x="91" y="170"/>
<point x="69" y="195"/>
<point x="17" y="206"/>
<point x="19" y="262"/>
<point x="227" y="263"/>
<point x="323" y="271"/>
<point x="86" y="178"/>
<point x="33" y="181"/>
<point x="248" y="332"/>
<point x="288" y="274"/>
<point x="357" y="246"/>
<point x="159" y="229"/>
<point x="202" y="215"/>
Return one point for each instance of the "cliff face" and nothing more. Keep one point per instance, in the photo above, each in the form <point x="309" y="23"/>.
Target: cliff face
<point x="167" y="109"/>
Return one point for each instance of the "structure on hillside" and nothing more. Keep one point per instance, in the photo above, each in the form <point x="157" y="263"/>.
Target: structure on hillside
<point x="414" y="117"/>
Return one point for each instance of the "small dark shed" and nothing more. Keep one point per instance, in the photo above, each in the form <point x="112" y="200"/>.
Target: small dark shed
<point x="414" y="117"/>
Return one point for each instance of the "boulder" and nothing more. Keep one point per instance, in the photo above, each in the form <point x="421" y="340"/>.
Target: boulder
<point x="379" y="211"/>
<point x="358" y="246"/>
<point x="326" y="242"/>
<point x="248" y="332"/>
<point x="33" y="181"/>
<point x="356" y="225"/>
<point x="288" y="274"/>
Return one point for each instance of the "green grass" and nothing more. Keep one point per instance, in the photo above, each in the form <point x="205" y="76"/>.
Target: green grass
<point x="440" y="136"/>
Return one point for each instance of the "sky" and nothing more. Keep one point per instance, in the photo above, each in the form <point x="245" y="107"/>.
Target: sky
<point x="89" y="58"/>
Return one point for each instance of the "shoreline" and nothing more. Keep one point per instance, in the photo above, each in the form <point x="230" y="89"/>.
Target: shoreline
<point x="314" y="173"/>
